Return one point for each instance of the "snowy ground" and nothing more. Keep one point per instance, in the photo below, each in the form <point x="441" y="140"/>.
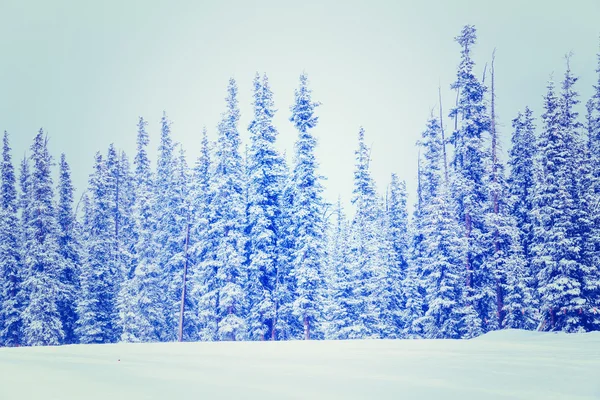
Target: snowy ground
<point x="500" y="365"/>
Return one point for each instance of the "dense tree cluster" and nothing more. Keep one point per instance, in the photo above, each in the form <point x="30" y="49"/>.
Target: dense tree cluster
<point x="243" y="246"/>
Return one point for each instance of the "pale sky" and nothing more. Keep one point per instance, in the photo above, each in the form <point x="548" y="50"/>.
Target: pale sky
<point x="85" y="71"/>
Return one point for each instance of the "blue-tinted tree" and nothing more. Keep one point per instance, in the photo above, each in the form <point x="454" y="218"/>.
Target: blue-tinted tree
<point x="226" y="236"/>
<point x="142" y="296"/>
<point x="468" y="186"/>
<point x="204" y="277"/>
<point x="265" y="185"/>
<point x="97" y="306"/>
<point x="563" y="276"/>
<point x="41" y="316"/>
<point x="70" y="250"/>
<point x="307" y="210"/>
<point x="11" y="294"/>
<point x="440" y="258"/>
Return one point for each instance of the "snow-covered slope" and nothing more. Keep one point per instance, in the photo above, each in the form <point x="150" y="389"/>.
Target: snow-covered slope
<point x="500" y="365"/>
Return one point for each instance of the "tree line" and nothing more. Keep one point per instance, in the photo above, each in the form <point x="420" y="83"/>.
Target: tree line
<point x="243" y="246"/>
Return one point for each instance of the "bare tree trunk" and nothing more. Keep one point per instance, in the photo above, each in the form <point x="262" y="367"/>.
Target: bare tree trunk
<point x="443" y="136"/>
<point x="306" y="328"/>
<point x="456" y="106"/>
<point x="468" y="228"/>
<point x="419" y="190"/>
<point x="185" y="267"/>
<point x="495" y="194"/>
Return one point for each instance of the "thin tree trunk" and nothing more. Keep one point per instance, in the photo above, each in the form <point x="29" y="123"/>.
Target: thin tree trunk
<point x="185" y="267"/>
<point x="495" y="194"/>
<point x="443" y="136"/>
<point x="306" y="328"/>
<point x="419" y="191"/>
<point x="468" y="227"/>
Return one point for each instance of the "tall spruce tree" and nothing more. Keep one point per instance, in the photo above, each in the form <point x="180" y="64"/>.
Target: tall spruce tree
<point x="204" y="288"/>
<point x="97" y="306"/>
<point x="41" y="316"/>
<point x="592" y="195"/>
<point x="307" y="210"/>
<point x="337" y="277"/>
<point x="469" y="189"/>
<point x="70" y="250"/>
<point x="397" y="239"/>
<point x="11" y="294"/>
<point x="141" y="297"/>
<point x="265" y="170"/>
<point x="521" y="303"/>
<point x="563" y="276"/>
<point x="170" y="210"/>
<point x="226" y="236"/>
<point x="521" y="179"/>
<point x="440" y="257"/>
<point x="287" y="325"/>
<point x="180" y="262"/>
<point x="370" y="270"/>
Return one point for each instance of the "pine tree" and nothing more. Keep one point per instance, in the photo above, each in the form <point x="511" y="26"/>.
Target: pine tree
<point x="11" y="296"/>
<point x="369" y="267"/>
<point x="592" y="195"/>
<point x="170" y="210"/>
<point x="265" y="167"/>
<point x="440" y="257"/>
<point x="70" y="250"/>
<point x="125" y="201"/>
<point x="99" y="272"/>
<point x="308" y="224"/>
<point x="337" y="277"/>
<point x="204" y="277"/>
<point x="140" y="298"/>
<point x="183" y="275"/>
<point x="287" y="325"/>
<point x="396" y="233"/>
<point x="564" y="277"/>
<point x="521" y="296"/>
<point x="521" y="180"/>
<point x="469" y="183"/>
<point x="41" y="316"/>
<point x="226" y="225"/>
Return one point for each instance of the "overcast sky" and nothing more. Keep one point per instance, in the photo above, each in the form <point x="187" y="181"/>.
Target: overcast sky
<point x="85" y="71"/>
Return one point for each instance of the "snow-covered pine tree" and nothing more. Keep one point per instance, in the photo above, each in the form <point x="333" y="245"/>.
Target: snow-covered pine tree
<point x="11" y="295"/>
<point x="440" y="258"/>
<point x="121" y="198"/>
<point x="41" y="316"/>
<point x="521" y="179"/>
<point x="171" y="213"/>
<point x="226" y="236"/>
<point x="125" y="200"/>
<point x="287" y="325"/>
<point x="561" y="220"/>
<point x="141" y="297"/>
<point x="70" y="250"/>
<point x="265" y="184"/>
<point x="307" y="211"/>
<point x="204" y="278"/>
<point x="412" y="287"/>
<point x="369" y="268"/>
<point x="97" y="306"/>
<point x="521" y="303"/>
<point x="396" y="229"/>
<point x="337" y="277"/>
<point x="593" y="198"/>
<point x="180" y="262"/>
<point x="469" y="191"/>
<point x="24" y="202"/>
<point x="504" y="260"/>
